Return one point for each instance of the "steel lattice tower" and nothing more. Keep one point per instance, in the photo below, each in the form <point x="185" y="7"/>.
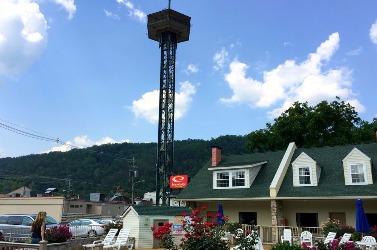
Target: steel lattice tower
<point x="168" y="27"/>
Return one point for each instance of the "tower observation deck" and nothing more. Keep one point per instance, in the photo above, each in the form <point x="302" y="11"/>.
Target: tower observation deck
<point x="167" y="27"/>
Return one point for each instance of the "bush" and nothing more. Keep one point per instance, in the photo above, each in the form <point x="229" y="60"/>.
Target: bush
<point x="113" y="225"/>
<point x="232" y="227"/>
<point x="201" y="233"/>
<point x="330" y="226"/>
<point x="345" y="229"/>
<point x="356" y="236"/>
<point x="286" y="246"/>
<point x="58" y="234"/>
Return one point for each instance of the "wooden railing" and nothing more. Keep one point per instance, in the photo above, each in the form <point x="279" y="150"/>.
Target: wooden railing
<point x="272" y="234"/>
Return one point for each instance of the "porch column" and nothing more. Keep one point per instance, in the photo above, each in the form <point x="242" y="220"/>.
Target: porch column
<point x="277" y="217"/>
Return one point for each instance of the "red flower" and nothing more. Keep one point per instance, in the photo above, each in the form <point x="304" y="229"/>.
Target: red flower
<point x="204" y="207"/>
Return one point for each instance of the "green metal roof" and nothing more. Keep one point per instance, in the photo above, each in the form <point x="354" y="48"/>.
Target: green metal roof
<point x="161" y="210"/>
<point x="331" y="182"/>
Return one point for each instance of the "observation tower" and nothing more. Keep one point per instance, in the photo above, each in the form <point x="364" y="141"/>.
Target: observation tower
<point x="168" y="28"/>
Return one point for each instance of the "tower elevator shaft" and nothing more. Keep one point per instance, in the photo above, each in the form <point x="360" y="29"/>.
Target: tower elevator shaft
<point x="165" y="157"/>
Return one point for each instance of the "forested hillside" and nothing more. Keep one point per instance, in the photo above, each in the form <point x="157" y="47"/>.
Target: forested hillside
<point x="102" y="168"/>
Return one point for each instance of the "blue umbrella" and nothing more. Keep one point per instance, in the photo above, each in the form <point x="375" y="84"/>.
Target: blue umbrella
<point x="362" y="224"/>
<point x="220" y="215"/>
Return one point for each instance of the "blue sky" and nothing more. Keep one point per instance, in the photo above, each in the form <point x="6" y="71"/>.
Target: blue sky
<point x="85" y="71"/>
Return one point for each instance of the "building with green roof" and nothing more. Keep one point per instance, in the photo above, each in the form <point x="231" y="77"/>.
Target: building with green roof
<point x="296" y="187"/>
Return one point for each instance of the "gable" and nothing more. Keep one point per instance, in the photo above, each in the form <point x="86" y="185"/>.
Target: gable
<point x="235" y="176"/>
<point x="357" y="168"/>
<point x="306" y="171"/>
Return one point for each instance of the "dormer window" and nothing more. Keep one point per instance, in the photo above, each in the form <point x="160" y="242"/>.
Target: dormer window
<point x="231" y="179"/>
<point x="306" y="171"/>
<point x="357" y="173"/>
<point x="304" y="176"/>
<point x="357" y="168"/>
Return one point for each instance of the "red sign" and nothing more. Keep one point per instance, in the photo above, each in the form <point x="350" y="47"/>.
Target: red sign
<point x="178" y="181"/>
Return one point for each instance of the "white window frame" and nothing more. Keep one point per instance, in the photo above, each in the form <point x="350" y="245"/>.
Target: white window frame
<point x="310" y="176"/>
<point x="231" y="174"/>
<point x="364" y="173"/>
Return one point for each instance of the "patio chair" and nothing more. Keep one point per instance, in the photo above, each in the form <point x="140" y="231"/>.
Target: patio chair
<point x="330" y="237"/>
<point x="121" y="241"/>
<point x="307" y="238"/>
<point x="287" y="236"/>
<point x="109" y="239"/>
<point x="346" y="237"/>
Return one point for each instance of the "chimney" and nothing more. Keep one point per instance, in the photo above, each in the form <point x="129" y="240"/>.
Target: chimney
<point x="216" y="156"/>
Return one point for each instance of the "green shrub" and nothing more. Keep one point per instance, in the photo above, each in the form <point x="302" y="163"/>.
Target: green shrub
<point x="286" y="246"/>
<point x="330" y="226"/>
<point x="113" y="225"/>
<point x="232" y="227"/>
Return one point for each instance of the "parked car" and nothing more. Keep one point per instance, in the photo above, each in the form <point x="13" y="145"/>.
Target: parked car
<point x="16" y="227"/>
<point x="86" y="227"/>
<point x="23" y="221"/>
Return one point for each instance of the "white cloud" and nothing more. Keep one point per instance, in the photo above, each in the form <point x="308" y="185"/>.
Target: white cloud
<point x="83" y="141"/>
<point x="373" y="33"/>
<point x="291" y="81"/>
<point x="147" y="107"/>
<point x="191" y="68"/>
<point x="220" y="59"/>
<point x="23" y="35"/>
<point x="68" y="5"/>
<point x="112" y="15"/>
<point x="134" y="12"/>
<point x="355" y="52"/>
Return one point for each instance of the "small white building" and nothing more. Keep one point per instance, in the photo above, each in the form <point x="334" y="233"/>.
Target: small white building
<point x="141" y="218"/>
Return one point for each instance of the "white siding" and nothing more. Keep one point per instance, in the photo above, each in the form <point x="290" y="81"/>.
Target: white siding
<point x="145" y="233"/>
<point x="141" y="227"/>
<point x="131" y="220"/>
<point x="354" y="157"/>
<point x="303" y="160"/>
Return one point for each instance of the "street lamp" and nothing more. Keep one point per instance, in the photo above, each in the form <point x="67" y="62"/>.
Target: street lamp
<point x="133" y="190"/>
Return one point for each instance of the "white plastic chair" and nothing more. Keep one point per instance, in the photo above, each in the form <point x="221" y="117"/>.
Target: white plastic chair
<point x="287" y="236"/>
<point x="108" y="240"/>
<point x="330" y="237"/>
<point x="121" y="241"/>
<point x="307" y="238"/>
<point x="346" y="237"/>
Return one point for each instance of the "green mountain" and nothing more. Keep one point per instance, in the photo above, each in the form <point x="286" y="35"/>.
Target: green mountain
<point x="101" y="169"/>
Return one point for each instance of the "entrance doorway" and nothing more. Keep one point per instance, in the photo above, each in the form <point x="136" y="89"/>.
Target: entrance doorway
<point x="158" y="223"/>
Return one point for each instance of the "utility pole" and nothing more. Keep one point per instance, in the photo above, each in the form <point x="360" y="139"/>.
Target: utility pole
<point x="133" y="173"/>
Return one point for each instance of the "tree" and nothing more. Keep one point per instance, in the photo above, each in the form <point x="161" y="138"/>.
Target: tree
<point x="326" y="124"/>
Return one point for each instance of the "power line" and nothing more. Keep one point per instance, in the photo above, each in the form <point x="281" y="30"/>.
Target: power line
<point x="21" y="130"/>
